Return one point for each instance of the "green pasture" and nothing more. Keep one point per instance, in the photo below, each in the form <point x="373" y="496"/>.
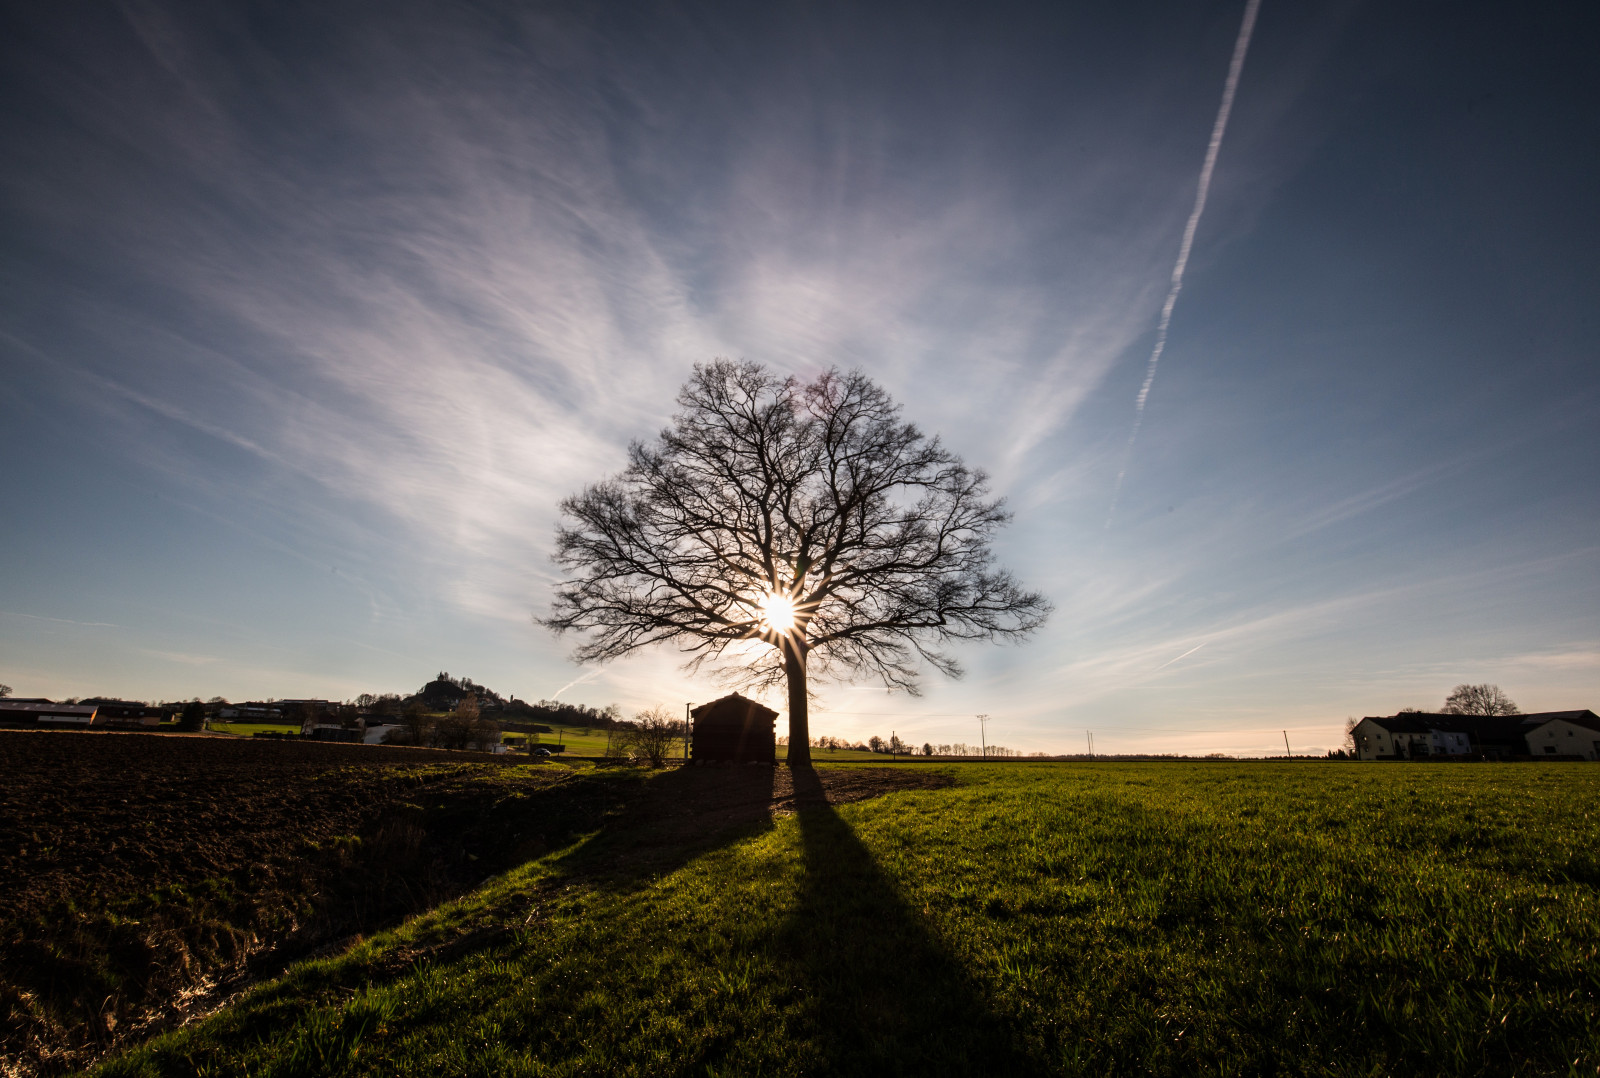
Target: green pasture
<point x="246" y="729"/>
<point x="578" y="740"/>
<point x="1295" y="918"/>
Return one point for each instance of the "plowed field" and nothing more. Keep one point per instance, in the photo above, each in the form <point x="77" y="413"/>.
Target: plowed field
<point x="138" y="871"/>
<point x="145" y="878"/>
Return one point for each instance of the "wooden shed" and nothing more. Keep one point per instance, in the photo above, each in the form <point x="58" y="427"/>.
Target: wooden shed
<point x="733" y="730"/>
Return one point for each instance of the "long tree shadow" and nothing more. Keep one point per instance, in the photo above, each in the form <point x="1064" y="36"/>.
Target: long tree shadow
<point x="662" y="822"/>
<point x="886" y="996"/>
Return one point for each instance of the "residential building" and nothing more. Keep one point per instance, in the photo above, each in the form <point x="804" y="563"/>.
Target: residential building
<point x="1419" y="735"/>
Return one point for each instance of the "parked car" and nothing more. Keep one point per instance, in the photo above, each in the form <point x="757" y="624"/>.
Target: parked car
<point x="543" y="752"/>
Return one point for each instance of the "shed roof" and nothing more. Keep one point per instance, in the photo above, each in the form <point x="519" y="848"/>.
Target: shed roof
<point x="734" y="703"/>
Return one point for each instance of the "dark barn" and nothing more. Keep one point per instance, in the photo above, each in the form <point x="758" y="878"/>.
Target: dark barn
<point x="734" y="729"/>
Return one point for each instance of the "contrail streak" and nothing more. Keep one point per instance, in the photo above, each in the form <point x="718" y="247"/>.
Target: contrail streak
<point x="1240" y="46"/>
<point x="593" y="673"/>
<point x="1185" y="655"/>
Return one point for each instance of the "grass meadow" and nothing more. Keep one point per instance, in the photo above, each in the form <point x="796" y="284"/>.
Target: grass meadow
<point x="1297" y="918"/>
<point x="249" y="729"/>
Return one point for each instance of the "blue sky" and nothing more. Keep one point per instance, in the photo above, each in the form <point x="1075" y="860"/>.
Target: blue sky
<point x="311" y="314"/>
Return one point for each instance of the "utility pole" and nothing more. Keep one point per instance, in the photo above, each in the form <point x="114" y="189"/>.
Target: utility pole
<point x="686" y="718"/>
<point x="983" y="735"/>
<point x="894" y="746"/>
<point x="1286" y="749"/>
<point x="1090" y="736"/>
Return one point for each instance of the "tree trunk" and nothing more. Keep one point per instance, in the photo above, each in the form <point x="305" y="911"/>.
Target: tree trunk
<point x="794" y="667"/>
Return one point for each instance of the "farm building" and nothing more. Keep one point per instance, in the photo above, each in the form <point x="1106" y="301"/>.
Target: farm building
<point x="1566" y="733"/>
<point x="126" y="715"/>
<point x="1416" y="735"/>
<point x="333" y="728"/>
<point x="47" y="714"/>
<point x="735" y="730"/>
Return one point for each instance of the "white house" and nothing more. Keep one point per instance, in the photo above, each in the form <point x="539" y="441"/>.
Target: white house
<point x="1409" y="737"/>
<point x="1566" y="733"/>
<point x="1416" y="735"/>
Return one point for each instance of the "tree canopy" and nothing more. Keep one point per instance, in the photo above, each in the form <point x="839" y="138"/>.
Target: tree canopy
<point x="1479" y="700"/>
<point x="785" y="530"/>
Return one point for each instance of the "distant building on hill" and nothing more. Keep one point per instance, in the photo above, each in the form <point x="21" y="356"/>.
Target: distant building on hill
<point x="733" y="730"/>
<point x="1417" y="735"/>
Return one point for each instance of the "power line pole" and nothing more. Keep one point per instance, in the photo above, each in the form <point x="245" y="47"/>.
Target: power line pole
<point x="1090" y="735"/>
<point x="983" y="735"/>
<point x="1286" y="749"/>
<point x="686" y="715"/>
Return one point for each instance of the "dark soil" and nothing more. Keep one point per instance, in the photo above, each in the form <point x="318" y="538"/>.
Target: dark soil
<point x="143" y="878"/>
<point x="140" y="872"/>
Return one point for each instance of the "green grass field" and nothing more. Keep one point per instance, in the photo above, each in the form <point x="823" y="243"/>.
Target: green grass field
<point x="247" y="729"/>
<point x="578" y="740"/>
<point x="1312" y="918"/>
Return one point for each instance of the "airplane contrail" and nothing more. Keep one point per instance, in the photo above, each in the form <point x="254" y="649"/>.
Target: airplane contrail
<point x="1241" y="46"/>
<point x="1185" y="655"/>
<point x="592" y="673"/>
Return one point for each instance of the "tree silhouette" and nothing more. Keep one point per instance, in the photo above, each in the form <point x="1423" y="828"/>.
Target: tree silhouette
<point x="1479" y="700"/>
<point x="785" y="530"/>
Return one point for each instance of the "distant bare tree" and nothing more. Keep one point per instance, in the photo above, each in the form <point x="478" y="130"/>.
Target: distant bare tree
<point x="5" y="691"/>
<point x="653" y="736"/>
<point x="1479" y="700"/>
<point x="416" y="725"/>
<point x="808" y="517"/>
<point x="1350" y="725"/>
<point x="193" y="716"/>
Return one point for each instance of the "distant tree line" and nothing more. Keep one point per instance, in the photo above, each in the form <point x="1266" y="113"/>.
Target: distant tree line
<point x="892" y="745"/>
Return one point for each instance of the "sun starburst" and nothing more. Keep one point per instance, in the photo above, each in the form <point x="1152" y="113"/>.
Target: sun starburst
<point x="777" y="613"/>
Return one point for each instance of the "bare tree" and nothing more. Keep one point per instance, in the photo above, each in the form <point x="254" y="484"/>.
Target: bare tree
<point x="5" y="691"/>
<point x="416" y="725"/>
<point x="806" y="517"/>
<point x="653" y="736"/>
<point x="1479" y="700"/>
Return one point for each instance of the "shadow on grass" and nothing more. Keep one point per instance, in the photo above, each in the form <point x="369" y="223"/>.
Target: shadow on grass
<point x="886" y="996"/>
<point x="661" y="822"/>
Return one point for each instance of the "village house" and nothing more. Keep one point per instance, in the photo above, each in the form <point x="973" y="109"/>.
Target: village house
<point x="1566" y="733"/>
<point x="1417" y="735"/>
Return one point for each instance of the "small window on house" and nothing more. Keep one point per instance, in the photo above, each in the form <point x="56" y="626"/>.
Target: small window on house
<point x="1550" y="748"/>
